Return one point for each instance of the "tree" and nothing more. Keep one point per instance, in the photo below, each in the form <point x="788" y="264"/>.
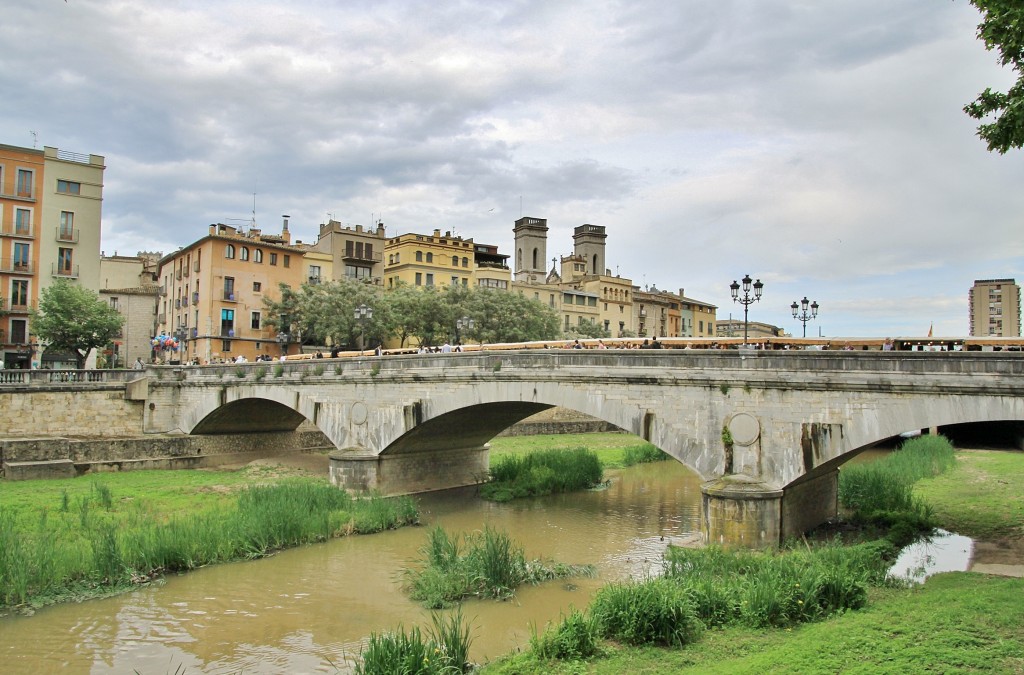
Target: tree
<point x="1002" y="29"/>
<point x="587" y="329"/>
<point x="74" y="319"/>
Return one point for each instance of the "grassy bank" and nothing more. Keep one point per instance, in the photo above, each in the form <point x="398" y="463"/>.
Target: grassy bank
<point x="67" y="539"/>
<point x="958" y="622"/>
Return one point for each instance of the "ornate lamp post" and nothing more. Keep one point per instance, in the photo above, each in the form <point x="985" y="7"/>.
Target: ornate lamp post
<point x="283" y="336"/>
<point x="746" y="300"/>
<point x="463" y="323"/>
<point x="363" y="314"/>
<point x="803" y="317"/>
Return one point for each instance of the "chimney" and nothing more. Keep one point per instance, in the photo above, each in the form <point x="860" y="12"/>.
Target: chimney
<point x="437" y="233"/>
<point x="284" y="228"/>
<point x="380" y="229"/>
<point x="213" y="228"/>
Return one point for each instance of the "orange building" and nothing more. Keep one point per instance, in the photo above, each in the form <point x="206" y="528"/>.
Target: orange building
<point x="212" y="294"/>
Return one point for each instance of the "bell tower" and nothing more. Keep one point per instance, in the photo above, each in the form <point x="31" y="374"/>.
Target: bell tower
<point x="531" y="249"/>
<point x="588" y="243"/>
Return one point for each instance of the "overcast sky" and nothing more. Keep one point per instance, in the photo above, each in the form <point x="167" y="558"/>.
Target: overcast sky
<point x="818" y="146"/>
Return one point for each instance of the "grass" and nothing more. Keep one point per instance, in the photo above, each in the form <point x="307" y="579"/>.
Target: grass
<point x="444" y="650"/>
<point x="610" y="447"/>
<point x="542" y="472"/>
<point x="63" y="539"/>
<point x="487" y="564"/>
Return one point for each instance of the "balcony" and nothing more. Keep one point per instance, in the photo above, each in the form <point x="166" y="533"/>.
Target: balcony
<point x="195" y="297"/>
<point x="227" y="332"/>
<point x="229" y="296"/>
<point x="177" y="275"/>
<point x="161" y="318"/>
<point x="194" y="332"/>
<point x="195" y="266"/>
<point x="184" y="301"/>
<point x="356" y="256"/>
<point x="177" y="303"/>
<point x="22" y="231"/>
<point x="67" y="235"/>
<point x="15" y="306"/>
<point x="314" y="280"/>
<point x="64" y="271"/>
<point x="16" y="266"/>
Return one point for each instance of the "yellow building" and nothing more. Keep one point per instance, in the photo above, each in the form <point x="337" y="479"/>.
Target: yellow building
<point x="995" y="308"/>
<point x="212" y="294"/>
<point x="50" y="213"/>
<point x="354" y="252"/>
<point x="443" y="260"/>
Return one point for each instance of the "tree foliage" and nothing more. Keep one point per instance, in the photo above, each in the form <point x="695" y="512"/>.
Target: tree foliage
<point x="1002" y="29"/>
<point x="429" y="315"/>
<point x="74" y="319"/>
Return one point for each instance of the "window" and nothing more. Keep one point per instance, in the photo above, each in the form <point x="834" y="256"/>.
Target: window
<point x="356" y="272"/>
<point x="591" y="302"/>
<point x="419" y="278"/>
<point x="229" y="251"/>
<point x="430" y="278"/>
<point x="257" y="256"/>
<point x="24" y="183"/>
<point x="69" y="187"/>
<point x="225" y="346"/>
<point x="229" y="288"/>
<point x="22" y="221"/>
<point x="273" y="258"/>
<point x="430" y="257"/>
<point x="314" y="273"/>
<point x="67" y="226"/>
<point x="20" y="257"/>
<point x="254" y="322"/>
<point x="257" y="287"/>
<point x="287" y="260"/>
<point x="465" y="262"/>
<point x="19" y="331"/>
<point x="227" y="322"/>
<point x="19" y="293"/>
<point x="419" y="256"/>
<point x="455" y="281"/>
<point x="113" y="304"/>
<point x="63" y="261"/>
<point x="493" y="283"/>
<point x="243" y="254"/>
<point x="455" y="261"/>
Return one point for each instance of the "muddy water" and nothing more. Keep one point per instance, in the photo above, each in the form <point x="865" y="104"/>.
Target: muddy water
<point x="311" y="609"/>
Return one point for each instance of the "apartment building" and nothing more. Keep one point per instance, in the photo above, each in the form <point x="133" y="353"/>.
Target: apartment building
<point x="129" y="285"/>
<point x="444" y="260"/>
<point x="994" y="308"/>
<point x="50" y="215"/>
<point x="355" y="253"/>
<point x="212" y="295"/>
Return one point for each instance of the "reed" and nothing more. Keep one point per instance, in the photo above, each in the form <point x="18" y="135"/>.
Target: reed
<point x="92" y="547"/>
<point x="655" y="611"/>
<point x="487" y="564"/>
<point x="444" y="650"/>
<point x="642" y="454"/>
<point x="542" y="472"/>
<point x="575" y="637"/>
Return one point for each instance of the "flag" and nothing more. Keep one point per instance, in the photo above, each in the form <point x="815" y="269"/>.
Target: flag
<point x="930" y="327"/>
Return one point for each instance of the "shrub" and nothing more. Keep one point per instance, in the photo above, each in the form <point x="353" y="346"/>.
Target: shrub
<point x="541" y="473"/>
<point x="656" y="611"/>
<point x="240" y="373"/>
<point x="576" y="637"/>
<point x="641" y="454"/>
<point x="443" y="651"/>
<point x="278" y="370"/>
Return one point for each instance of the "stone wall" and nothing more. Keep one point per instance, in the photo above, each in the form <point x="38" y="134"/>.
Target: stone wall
<point x="559" y="420"/>
<point x="70" y="411"/>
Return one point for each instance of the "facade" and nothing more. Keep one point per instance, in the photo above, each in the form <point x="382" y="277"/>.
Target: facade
<point x="212" y="295"/>
<point x="353" y="252"/>
<point x="50" y="215"/>
<point x="755" y="329"/>
<point x="129" y="285"/>
<point x="697" y="318"/>
<point x="443" y="261"/>
<point x="994" y="307"/>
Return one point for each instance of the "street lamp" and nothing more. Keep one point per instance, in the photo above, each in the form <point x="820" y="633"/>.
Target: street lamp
<point x="283" y="337"/>
<point x="746" y="300"/>
<point x="803" y="317"/>
<point x="363" y="314"/>
<point x="464" y="322"/>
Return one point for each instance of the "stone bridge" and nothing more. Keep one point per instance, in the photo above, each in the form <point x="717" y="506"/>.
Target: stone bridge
<point x="765" y="430"/>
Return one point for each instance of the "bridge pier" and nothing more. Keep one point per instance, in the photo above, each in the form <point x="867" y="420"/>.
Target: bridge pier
<point x="743" y="512"/>
<point x="359" y="470"/>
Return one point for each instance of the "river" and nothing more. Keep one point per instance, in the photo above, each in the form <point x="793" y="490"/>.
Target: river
<point x="310" y="610"/>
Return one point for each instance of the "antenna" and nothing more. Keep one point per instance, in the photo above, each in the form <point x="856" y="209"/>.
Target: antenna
<point x="35" y="137"/>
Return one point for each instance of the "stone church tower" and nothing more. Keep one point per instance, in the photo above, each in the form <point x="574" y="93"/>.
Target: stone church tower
<point x="589" y="244"/>
<point x="531" y="249"/>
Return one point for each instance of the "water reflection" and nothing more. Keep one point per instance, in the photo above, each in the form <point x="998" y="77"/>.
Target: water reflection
<point x="941" y="552"/>
<point x="311" y="609"/>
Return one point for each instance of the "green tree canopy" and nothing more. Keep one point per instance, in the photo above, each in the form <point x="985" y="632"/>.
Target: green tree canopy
<point x="74" y="319"/>
<point x="1002" y="29"/>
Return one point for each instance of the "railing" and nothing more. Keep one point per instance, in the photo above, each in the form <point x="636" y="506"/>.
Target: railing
<point x="47" y="377"/>
<point x="64" y="234"/>
<point x="16" y="266"/>
<point x="373" y="257"/>
<point x="58" y="270"/>
<point x="17" y="307"/>
<point x="229" y="296"/>
<point x="15" y="230"/>
<point x="67" y="156"/>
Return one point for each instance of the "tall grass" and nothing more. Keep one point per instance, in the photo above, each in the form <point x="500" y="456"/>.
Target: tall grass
<point x="543" y="472"/>
<point x="487" y="564"/>
<point x="882" y="491"/>
<point x="97" y="551"/>
<point x="443" y="650"/>
<point x="642" y="454"/>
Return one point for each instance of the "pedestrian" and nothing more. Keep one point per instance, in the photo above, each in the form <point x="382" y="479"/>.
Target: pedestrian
<point x="139" y="365"/>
